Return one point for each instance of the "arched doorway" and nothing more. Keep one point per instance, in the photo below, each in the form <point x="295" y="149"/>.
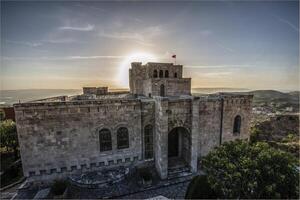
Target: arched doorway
<point x="179" y="147"/>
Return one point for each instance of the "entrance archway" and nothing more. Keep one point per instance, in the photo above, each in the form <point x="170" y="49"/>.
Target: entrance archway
<point x="179" y="147"/>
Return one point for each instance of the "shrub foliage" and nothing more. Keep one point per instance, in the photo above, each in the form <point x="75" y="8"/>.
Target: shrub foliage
<point x="238" y="169"/>
<point x="9" y="136"/>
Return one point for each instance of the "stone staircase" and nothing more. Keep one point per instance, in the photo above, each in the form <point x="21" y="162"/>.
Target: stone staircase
<point x="178" y="172"/>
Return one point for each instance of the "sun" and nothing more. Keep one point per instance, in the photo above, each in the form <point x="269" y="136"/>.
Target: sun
<point x="123" y="76"/>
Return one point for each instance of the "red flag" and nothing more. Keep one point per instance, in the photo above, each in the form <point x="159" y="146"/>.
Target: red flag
<point x="174" y="56"/>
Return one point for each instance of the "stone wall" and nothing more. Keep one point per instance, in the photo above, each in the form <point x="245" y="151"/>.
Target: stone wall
<point x="95" y="91"/>
<point x="62" y="137"/>
<point x="236" y="105"/>
<point x="173" y="86"/>
<point x="137" y="75"/>
<point x="170" y="67"/>
<point x="179" y="114"/>
<point x="209" y="125"/>
<point x="216" y="126"/>
<point x="161" y="136"/>
<point x="148" y="118"/>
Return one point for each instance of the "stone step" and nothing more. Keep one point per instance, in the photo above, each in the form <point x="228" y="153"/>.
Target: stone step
<point x="179" y="175"/>
<point x="178" y="170"/>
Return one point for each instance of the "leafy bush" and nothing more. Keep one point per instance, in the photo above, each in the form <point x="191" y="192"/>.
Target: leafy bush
<point x="9" y="137"/>
<point x="59" y="186"/>
<point x="200" y="189"/>
<point x="238" y="169"/>
<point x="254" y="134"/>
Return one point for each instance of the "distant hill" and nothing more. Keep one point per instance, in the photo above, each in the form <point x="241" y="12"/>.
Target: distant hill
<point x="281" y="99"/>
<point x="275" y="96"/>
<point x="214" y="90"/>
<point x="9" y="97"/>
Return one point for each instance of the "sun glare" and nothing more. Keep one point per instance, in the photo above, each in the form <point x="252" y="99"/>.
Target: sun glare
<point x="123" y="76"/>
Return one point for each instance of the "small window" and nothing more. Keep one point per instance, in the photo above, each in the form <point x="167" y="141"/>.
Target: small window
<point x="155" y="74"/>
<point x="161" y="73"/>
<point x="122" y="138"/>
<point x="175" y="75"/>
<point x="237" y="125"/>
<point x="166" y="74"/>
<point x="162" y="90"/>
<point x="148" y="141"/>
<point x="105" y="140"/>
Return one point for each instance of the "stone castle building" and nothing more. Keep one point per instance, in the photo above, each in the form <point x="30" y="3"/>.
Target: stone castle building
<point x="157" y="122"/>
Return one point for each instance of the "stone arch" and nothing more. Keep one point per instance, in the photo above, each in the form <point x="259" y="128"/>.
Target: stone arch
<point x="148" y="141"/>
<point x="167" y="74"/>
<point x="237" y="125"/>
<point x="155" y="73"/>
<point x="161" y="73"/>
<point x="105" y="140"/>
<point x="122" y="138"/>
<point x="162" y="90"/>
<point x="179" y="146"/>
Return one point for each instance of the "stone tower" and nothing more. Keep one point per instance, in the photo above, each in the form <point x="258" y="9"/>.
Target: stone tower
<point x="158" y="79"/>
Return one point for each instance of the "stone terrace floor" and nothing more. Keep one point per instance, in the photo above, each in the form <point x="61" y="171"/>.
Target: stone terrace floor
<point x="129" y="188"/>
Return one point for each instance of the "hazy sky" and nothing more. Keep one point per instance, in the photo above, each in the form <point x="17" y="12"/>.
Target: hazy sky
<point x="55" y="44"/>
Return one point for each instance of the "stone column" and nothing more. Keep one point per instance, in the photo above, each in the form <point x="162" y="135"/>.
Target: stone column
<point x="194" y="134"/>
<point x="161" y="136"/>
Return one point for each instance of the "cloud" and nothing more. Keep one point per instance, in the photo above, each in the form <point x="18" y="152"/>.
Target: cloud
<point x="142" y="37"/>
<point x="288" y="23"/>
<point x="216" y="66"/>
<point x="206" y="32"/>
<point x="30" y="44"/>
<point x="82" y="5"/>
<point x="225" y="47"/>
<point x="216" y="74"/>
<point x="66" y="57"/>
<point x="88" y="27"/>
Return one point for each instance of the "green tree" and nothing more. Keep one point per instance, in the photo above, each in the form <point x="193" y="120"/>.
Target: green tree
<point x="238" y="169"/>
<point x="9" y="137"/>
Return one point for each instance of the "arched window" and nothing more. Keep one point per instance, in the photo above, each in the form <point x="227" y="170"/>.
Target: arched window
<point x="175" y="75"/>
<point x="237" y="125"/>
<point x="105" y="140"/>
<point x="161" y="73"/>
<point x="162" y="90"/>
<point x="155" y="74"/>
<point x="122" y="138"/>
<point x="166" y="74"/>
<point x="148" y="141"/>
